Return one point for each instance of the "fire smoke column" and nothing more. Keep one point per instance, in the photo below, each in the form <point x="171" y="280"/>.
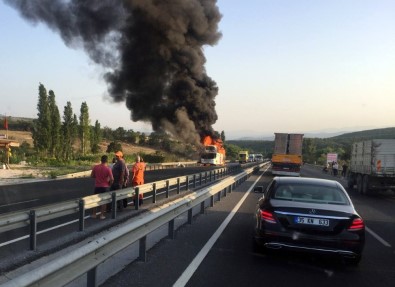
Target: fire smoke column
<point x="162" y="76"/>
<point x="152" y="50"/>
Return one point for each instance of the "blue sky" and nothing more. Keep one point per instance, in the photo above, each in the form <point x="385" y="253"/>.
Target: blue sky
<point x="281" y="66"/>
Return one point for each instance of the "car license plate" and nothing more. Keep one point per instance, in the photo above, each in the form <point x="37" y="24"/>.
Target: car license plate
<point x="312" y="221"/>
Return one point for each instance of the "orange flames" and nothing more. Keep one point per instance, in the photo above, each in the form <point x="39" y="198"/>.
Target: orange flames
<point x="207" y="140"/>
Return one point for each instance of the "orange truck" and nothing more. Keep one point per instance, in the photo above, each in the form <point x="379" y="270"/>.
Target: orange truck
<point x="287" y="155"/>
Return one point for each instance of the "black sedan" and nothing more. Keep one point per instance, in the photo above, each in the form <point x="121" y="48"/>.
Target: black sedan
<point x="309" y="215"/>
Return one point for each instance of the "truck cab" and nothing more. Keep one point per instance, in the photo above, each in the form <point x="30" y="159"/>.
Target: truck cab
<point x="243" y="156"/>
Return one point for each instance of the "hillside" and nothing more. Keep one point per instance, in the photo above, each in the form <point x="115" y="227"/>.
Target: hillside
<point x="23" y="136"/>
<point x="387" y="133"/>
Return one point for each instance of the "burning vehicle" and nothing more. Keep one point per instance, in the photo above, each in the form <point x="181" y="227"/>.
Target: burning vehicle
<point x="213" y="152"/>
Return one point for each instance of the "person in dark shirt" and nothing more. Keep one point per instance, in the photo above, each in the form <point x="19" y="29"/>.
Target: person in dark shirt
<point x="344" y="170"/>
<point x="120" y="173"/>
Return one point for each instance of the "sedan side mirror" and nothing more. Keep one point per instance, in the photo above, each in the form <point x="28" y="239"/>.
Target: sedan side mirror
<point x="258" y="189"/>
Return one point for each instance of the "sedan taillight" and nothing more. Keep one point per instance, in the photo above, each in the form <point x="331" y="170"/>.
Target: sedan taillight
<point x="357" y="224"/>
<point x="267" y="216"/>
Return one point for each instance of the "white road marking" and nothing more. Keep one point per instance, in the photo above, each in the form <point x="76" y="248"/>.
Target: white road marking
<point x="190" y="270"/>
<point x="381" y="240"/>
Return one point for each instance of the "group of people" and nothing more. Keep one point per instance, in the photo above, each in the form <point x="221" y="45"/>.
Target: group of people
<point x="333" y="167"/>
<point x="117" y="176"/>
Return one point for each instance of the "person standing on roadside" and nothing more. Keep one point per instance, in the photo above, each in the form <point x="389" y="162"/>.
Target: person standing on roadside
<point x="119" y="172"/>
<point x="103" y="180"/>
<point x="344" y="169"/>
<point x="137" y="174"/>
<point x="335" y="168"/>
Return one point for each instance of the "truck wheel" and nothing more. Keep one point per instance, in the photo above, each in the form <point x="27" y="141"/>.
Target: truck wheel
<point x="365" y="184"/>
<point x="359" y="183"/>
<point x="350" y="181"/>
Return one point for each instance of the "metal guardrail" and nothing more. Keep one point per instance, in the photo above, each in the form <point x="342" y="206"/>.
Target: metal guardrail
<point x="86" y="259"/>
<point x="30" y="218"/>
<point x="149" y="166"/>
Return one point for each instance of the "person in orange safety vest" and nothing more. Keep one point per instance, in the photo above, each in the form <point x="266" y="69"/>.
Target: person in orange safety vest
<point x="137" y="176"/>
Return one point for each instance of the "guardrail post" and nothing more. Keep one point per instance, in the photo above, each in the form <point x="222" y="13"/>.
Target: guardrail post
<point x="219" y="195"/>
<point x="137" y="199"/>
<point x="171" y="229"/>
<point x="212" y="201"/>
<point x="81" y="211"/>
<point x="167" y="188"/>
<point x="200" y="179"/>
<point x="194" y="181"/>
<point x="154" y="193"/>
<point x="187" y="183"/>
<point x="33" y="229"/>
<point x="230" y="188"/>
<point x="190" y="215"/>
<point x="202" y="207"/>
<point x="113" y="205"/>
<point x="211" y="175"/>
<point x="178" y="185"/>
<point x="91" y="277"/>
<point x="225" y="189"/>
<point x="143" y="249"/>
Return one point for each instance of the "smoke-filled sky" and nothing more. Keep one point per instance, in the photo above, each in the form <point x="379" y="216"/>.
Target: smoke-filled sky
<point x="279" y="66"/>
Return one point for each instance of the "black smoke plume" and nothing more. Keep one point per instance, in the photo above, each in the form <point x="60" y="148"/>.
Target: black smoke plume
<point x="152" y="51"/>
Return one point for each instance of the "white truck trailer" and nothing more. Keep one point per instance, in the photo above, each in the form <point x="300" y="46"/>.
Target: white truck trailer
<point x="372" y="165"/>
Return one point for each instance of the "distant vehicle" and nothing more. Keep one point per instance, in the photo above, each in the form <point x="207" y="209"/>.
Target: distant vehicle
<point x="287" y="155"/>
<point x="372" y="165"/>
<point x="243" y="156"/>
<point x="251" y="157"/>
<point x="309" y="215"/>
<point x="259" y="157"/>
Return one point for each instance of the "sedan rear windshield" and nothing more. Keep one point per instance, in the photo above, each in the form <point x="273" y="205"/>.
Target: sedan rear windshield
<point x="311" y="193"/>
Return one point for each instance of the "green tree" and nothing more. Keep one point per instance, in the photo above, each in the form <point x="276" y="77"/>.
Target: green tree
<point x="114" y="147"/>
<point x="155" y="139"/>
<point x="107" y="133"/>
<point x="96" y="137"/>
<point x="119" y="134"/>
<point x="55" y="126"/>
<point x="142" y="139"/>
<point x="309" y="150"/>
<point x="19" y="154"/>
<point x="84" y="128"/>
<point x="41" y="133"/>
<point x="69" y="131"/>
<point x="223" y="136"/>
<point x="132" y="136"/>
<point x="232" y="151"/>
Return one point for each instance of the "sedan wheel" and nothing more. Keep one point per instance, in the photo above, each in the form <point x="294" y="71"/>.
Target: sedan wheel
<point x="359" y="183"/>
